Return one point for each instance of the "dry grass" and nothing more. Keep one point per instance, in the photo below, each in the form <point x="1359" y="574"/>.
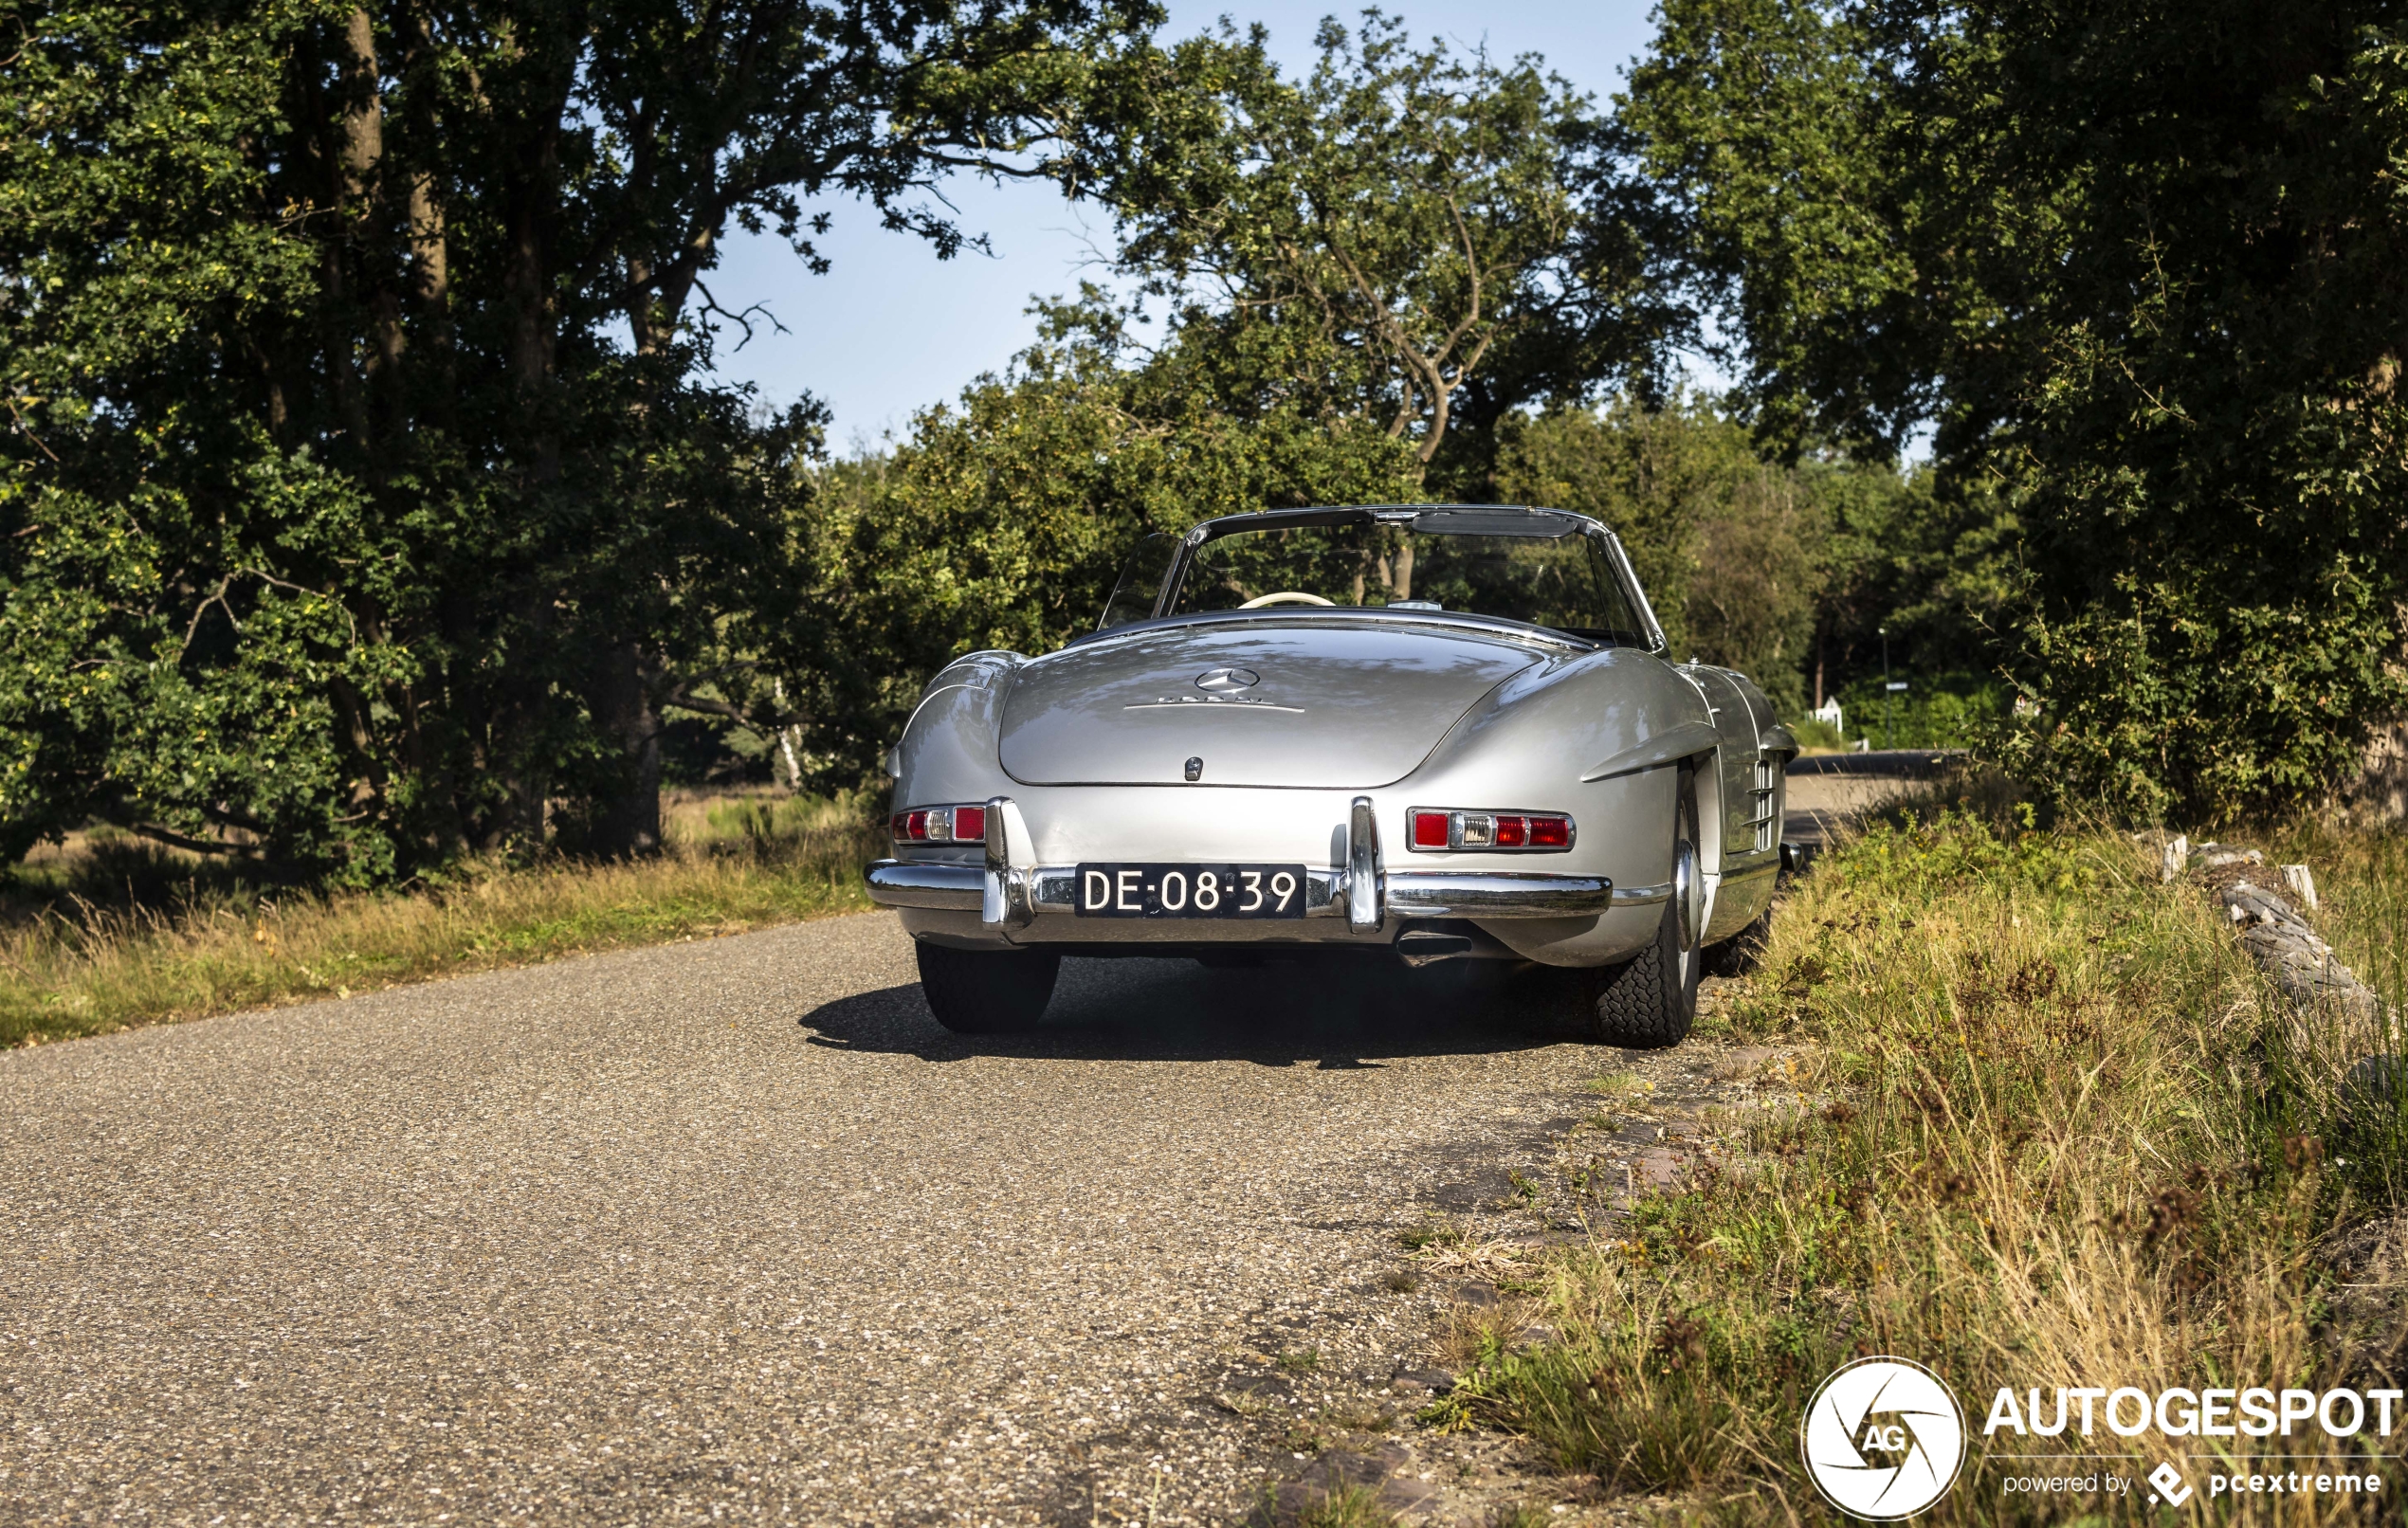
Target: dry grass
<point x="2059" y="1135"/>
<point x="175" y="942"/>
<point x="1477" y="1260"/>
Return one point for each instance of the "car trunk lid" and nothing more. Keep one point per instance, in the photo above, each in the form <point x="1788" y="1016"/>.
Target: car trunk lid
<point x="1326" y="704"/>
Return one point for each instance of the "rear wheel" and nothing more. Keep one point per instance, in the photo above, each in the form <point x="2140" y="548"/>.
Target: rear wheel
<point x="1650" y="1002"/>
<point x="1741" y="952"/>
<point x="987" y="991"/>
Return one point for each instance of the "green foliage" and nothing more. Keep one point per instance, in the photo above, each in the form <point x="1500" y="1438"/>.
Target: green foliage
<point x="1764" y="119"/>
<point x="103" y="517"/>
<point x="1750" y="564"/>
<point x="1812" y="735"/>
<point x="1963" y="850"/>
<point x="2136" y="262"/>
<point x="1935" y="568"/>
<point x="1407" y="239"/>
<point x="335" y="526"/>
<point x="1946" y="710"/>
<point x="1366" y="270"/>
<point x="1654" y="476"/>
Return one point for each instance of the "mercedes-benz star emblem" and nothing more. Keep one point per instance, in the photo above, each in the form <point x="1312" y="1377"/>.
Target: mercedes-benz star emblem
<point x="1222" y="681"/>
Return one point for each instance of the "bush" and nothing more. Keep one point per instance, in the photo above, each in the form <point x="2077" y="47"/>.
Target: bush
<point x="1956" y="710"/>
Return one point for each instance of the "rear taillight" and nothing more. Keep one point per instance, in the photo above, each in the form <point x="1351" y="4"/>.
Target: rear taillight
<point x="1436" y="828"/>
<point x="939" y="824"/>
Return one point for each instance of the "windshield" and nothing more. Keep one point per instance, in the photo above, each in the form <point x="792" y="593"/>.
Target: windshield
<point x="1510" y="563"/>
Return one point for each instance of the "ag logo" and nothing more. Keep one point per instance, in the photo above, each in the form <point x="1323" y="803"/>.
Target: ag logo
<point x="1883" y="1438"/>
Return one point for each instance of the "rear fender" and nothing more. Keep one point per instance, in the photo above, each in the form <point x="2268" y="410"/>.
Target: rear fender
<point x="1604" y="735"/>
<point x="947" y="752"/>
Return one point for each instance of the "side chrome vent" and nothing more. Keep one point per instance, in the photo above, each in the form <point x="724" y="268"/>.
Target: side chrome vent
<point x="1767" y="792"/>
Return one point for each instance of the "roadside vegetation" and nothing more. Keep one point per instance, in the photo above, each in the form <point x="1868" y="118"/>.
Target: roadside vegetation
<point x="118" y="932"/>
<point x="2050" y="1129"/>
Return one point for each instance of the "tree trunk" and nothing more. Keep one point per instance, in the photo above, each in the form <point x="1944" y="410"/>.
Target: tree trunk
<point x="626" y="821"/>
<point x="429" y="236"/>
<point x="524" y="698"/>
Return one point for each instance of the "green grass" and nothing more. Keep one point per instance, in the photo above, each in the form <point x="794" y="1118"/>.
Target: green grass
<point x="120" y="933"/>
<point x="1348" y="1506"/>
<point x="2052" y="1129"/>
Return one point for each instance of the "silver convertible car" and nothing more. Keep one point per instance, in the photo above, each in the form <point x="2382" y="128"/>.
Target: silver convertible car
<point x="1426" y="733"/>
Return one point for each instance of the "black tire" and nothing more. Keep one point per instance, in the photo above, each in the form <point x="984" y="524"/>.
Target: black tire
<point x="1650" y="1003"/>
<point x="1742" y="952"/>
<point x="987" y="991"/>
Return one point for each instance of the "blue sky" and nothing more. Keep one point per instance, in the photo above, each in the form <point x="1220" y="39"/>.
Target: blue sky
<point x="891" y="329"/>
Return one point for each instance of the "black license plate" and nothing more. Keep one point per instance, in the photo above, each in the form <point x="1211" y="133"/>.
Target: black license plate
<point x="1190" y="891"/>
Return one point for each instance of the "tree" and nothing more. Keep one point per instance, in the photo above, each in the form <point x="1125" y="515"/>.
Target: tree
<point x="1766" y="122"/>
<point x="2136" y="263"/>
<point x="1409" y="238"/>
<point x="1753" y="564"/>
<point x="335" y="521"/>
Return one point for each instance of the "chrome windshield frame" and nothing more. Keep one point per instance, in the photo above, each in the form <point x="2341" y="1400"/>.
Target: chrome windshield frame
<point x="1214" y="529"/>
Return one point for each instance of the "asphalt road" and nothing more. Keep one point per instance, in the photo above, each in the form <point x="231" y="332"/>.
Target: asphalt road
<point x="723" y="1232"/>
<point x="1828" y="791"/>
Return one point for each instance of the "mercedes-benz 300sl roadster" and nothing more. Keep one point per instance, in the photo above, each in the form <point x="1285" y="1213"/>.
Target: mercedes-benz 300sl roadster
<point x="1425" y="733"/>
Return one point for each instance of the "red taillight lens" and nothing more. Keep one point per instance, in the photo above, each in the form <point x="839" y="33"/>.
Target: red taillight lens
<point x="1477" y="832"/>
<point x="939" y="824"/>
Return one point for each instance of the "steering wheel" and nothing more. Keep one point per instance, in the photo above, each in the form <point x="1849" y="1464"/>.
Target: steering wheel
<point x="1287" y="596"/>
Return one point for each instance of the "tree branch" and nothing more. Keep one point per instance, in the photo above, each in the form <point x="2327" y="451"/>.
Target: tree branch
<point x="172" y="839"/>
<point x="743" y="319"/>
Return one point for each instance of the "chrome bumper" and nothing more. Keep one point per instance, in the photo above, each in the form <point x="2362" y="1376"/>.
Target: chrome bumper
<point x="1474" y="894"/>
<point x="951" y="887"/>
<point x="1007" y="892"/>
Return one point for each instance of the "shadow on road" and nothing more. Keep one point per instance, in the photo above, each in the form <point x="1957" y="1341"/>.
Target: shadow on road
<point x="1896" y="764"/>
<point x="1330" y="1016"/>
